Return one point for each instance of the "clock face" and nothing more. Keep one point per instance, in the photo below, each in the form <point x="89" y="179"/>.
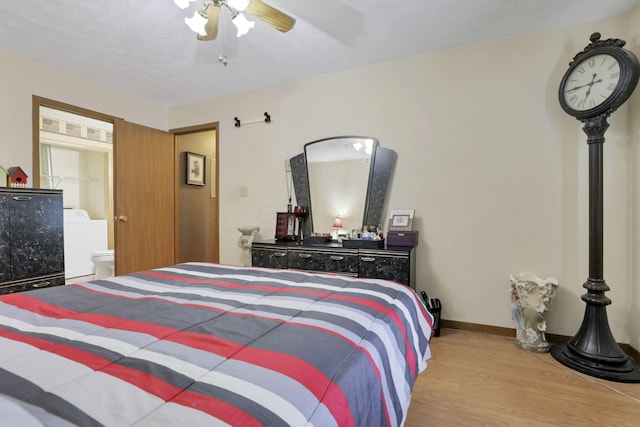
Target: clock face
<point x="591" y="82"/>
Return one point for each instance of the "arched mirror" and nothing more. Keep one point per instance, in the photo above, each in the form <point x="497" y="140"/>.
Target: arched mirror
<point x="338" y="171"/>
<point x="344" y="176"/>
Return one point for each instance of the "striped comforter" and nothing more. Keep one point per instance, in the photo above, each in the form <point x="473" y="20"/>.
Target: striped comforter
<point x="202" y="344"/>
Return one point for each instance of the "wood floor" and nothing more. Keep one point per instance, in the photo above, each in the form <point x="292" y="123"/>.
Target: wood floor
<point x="476" y="379"/>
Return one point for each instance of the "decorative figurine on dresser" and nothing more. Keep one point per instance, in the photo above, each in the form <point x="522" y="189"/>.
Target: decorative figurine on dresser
<point x="31" y="239"/>
<point x="343" y="177"/>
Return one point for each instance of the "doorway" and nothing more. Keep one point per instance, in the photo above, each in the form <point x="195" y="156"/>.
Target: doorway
<point x="142" y="192"/>
<point x="76" y="156"/>
<point x="197" y="201"/>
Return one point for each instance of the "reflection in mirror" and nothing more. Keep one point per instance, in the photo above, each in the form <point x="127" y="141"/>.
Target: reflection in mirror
<point x="339" y="172"/>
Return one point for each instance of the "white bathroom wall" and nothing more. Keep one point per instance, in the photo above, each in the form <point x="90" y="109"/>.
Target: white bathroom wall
<point x="67" y="163"/>
<point x="95" y="173"/>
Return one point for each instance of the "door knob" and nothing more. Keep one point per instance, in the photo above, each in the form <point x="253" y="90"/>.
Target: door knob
<point x="122" y="218"/>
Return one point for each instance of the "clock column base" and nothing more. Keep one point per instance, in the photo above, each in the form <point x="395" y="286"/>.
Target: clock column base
<point x="594" y="351"/>
<point x="627" y="372"/>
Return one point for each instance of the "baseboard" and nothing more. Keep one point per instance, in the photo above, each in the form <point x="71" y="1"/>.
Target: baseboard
<point x="511" y="332"/>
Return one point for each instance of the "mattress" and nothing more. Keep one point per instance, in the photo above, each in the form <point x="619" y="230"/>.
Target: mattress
<point x="204" y="344"/>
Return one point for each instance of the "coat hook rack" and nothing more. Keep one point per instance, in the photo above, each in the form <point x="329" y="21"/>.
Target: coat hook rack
<point x="267" y="119"/>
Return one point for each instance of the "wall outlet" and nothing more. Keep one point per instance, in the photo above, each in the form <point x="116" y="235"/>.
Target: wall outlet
<point x="287" y="165"/>
<point x="244" y="191"/>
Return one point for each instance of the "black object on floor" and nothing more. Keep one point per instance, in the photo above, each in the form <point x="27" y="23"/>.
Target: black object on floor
<point x="434" y="306"/>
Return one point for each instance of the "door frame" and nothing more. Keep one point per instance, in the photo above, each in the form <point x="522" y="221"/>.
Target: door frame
<point x="36" y="103"/>
<point x="205" y="127"/>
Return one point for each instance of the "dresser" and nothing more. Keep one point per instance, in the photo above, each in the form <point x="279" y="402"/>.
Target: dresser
<point x="31" y="239"/>
<point x="390" y="263"/>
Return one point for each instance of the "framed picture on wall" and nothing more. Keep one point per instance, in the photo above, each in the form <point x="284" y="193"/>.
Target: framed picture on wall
<point x="195" y="168"/>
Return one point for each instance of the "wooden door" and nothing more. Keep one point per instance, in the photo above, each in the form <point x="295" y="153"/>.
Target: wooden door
<point x="144" y="186"/>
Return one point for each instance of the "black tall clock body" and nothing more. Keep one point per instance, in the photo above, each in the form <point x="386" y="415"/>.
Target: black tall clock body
<point x="599" y="80"/>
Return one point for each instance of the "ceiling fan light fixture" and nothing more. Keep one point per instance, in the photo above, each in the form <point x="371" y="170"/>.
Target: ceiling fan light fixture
<point x="197" y="23"/>
<point x="242" y="24"/>
<point x="183" y="4"/>
<point x="238" y="5"/>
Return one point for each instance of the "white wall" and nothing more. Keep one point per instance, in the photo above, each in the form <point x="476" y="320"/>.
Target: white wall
<point x="495" y="170"/>
<point x="20" y="79"/>
<point x="633" y="194"/>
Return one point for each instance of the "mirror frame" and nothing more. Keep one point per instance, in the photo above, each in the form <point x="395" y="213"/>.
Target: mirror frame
<point x="380" y="172"/>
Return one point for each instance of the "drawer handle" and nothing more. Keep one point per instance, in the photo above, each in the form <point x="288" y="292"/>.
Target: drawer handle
<point x="279" y="254"/>
<point x="304" y="255"/>
<point x="367" y="259"/>
<point x="41" y="284"/>
<point x="22" y="198"/>
<point x="336" y="258"/>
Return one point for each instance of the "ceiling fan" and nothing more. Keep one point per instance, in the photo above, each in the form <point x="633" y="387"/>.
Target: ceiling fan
<point x="206" y="19"/>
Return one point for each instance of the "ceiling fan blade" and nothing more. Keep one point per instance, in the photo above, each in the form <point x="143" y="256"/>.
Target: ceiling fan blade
<point x="272" y="16"/>
<point x="213" y="17"/>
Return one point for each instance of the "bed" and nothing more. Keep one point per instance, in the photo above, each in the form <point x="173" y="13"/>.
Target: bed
<point x="199" y="344"/>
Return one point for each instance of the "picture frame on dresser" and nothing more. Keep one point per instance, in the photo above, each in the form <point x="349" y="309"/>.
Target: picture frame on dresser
<point x="401" y="220"/>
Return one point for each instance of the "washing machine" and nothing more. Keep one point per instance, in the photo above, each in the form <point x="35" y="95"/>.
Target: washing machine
<point x="82" y="237"/>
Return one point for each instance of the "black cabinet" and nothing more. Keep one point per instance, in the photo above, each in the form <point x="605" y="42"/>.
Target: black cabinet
<point x="31" y="239"/>
<point x="391" y="263"/>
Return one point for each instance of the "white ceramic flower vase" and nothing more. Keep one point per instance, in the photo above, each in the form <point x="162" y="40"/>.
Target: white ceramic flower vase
<point x="530" y="299"/>
<point x="249" y="233"/>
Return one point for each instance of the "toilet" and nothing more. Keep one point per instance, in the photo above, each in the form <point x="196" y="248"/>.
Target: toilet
<point x="102" y="263"/>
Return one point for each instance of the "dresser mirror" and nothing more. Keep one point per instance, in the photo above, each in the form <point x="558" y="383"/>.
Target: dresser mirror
<point x="338" y="171"/>
<point x="344" y="176"/>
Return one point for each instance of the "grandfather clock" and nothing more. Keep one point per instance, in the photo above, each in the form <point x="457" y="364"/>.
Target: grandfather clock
<point x="599" y="80"/>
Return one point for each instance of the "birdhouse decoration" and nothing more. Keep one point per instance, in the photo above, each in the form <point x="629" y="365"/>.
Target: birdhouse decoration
<point x="3" y="177"/>
<point x="16" y="177"/>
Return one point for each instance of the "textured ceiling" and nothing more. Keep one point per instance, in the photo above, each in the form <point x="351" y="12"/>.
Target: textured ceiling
<point x="143" y="47"/>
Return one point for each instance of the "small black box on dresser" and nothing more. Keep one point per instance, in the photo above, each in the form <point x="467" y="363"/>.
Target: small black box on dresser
<point x="31" y="239"/>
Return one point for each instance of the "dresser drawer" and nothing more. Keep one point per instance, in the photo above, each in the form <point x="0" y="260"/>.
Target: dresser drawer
<point x="382" y="266"/>
<point x="328" y="261"/>
<point x="31" y="284"/>
<point x="268" y="257"/>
